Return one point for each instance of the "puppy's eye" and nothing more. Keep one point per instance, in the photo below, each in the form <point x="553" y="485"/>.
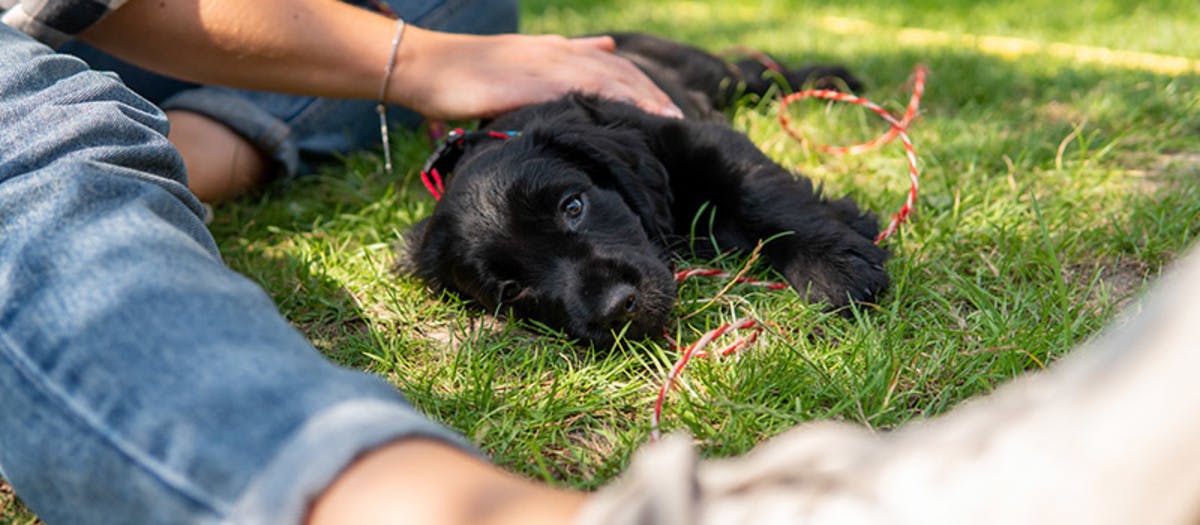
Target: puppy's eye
<point x="572" y="208"/>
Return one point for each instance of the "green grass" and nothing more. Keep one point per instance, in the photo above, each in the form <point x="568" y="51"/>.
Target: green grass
<point x="1053" y="189"/>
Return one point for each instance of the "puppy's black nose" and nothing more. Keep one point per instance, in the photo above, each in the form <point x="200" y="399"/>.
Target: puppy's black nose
<point x="619" y="305"/>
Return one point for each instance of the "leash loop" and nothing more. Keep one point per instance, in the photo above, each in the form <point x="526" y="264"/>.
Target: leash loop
<point x="899" y="128"/>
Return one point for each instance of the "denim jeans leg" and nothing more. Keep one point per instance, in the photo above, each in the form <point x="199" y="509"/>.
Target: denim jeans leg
<point x="151" y="86"/>
<point x="141" y="380"/>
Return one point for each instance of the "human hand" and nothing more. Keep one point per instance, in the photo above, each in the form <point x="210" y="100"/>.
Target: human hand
<point x="451" y="76"/>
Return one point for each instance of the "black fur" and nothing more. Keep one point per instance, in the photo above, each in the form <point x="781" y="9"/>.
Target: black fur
<point x="507" y="235"/>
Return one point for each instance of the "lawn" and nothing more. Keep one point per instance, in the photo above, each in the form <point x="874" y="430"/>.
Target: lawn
<point x="1060" y="154"/>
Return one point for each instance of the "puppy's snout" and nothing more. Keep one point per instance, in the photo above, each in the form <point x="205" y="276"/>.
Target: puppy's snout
<point x="619" y="305"/>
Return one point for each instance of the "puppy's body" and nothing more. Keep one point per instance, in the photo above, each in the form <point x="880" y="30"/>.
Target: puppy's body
<point x="572" y="221"/>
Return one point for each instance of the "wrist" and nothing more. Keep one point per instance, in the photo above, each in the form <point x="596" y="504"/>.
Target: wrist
<point x="390" y="69"/>
<point x="405" y="85"/>
<point x="444" y="75"/>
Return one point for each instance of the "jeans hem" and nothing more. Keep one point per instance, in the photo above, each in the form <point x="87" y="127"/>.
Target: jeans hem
<point x="270" y="136"/>
<point x="321" y="450"/>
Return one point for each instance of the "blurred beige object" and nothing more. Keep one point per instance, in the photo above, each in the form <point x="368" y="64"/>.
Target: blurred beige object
<point x="1110" y="435"/>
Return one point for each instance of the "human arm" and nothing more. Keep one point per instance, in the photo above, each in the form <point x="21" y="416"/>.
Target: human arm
<point x="430" y="483"/>
<point x="331" y="49"/>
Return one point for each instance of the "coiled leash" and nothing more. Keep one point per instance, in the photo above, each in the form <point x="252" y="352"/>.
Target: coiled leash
<point x="456" y="141"/>
<point x="899" y="128"/>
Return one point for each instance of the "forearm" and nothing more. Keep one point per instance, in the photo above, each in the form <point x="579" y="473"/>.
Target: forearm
<point x="311" y="47"/>
<point x="329" y="49"/>
<point x="426" y="482"/>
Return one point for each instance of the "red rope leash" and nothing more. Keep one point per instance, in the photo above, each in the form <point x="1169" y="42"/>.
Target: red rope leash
<point x="696" y="350"/>
<point x="899" y="129"/>
<point x="433" y="182"/>
<point x="680" y="276"/>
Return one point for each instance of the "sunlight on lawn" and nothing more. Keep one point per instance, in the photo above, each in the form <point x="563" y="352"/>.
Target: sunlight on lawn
<point x="1058" y="144"/>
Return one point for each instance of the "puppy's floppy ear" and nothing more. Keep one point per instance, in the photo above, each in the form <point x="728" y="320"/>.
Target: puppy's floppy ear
<point x="618" y="159"/>
<point x="420" y="254"/>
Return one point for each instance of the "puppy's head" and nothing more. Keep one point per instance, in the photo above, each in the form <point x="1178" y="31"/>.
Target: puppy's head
<point x="559" y="225"/>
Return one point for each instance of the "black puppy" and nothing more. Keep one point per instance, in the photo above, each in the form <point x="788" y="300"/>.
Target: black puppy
<point x="567" y="212"/>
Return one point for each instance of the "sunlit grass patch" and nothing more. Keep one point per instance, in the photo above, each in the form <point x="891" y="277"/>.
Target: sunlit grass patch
<point x="1053" y="189"/>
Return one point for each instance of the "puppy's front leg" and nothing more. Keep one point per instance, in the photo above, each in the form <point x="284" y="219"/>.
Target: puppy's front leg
<point x="824" y="248"/>
<point x="819" y="245"/>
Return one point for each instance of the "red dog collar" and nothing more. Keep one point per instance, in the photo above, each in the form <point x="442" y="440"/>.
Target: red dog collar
<point x="448" y="152"/>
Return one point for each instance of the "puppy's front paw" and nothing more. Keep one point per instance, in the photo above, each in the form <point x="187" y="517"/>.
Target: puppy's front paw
<point x="852" y="273"/>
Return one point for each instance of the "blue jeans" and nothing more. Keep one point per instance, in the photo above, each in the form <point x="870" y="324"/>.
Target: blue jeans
<point x="141" y="380"/>
<point x="295" y="132"/>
